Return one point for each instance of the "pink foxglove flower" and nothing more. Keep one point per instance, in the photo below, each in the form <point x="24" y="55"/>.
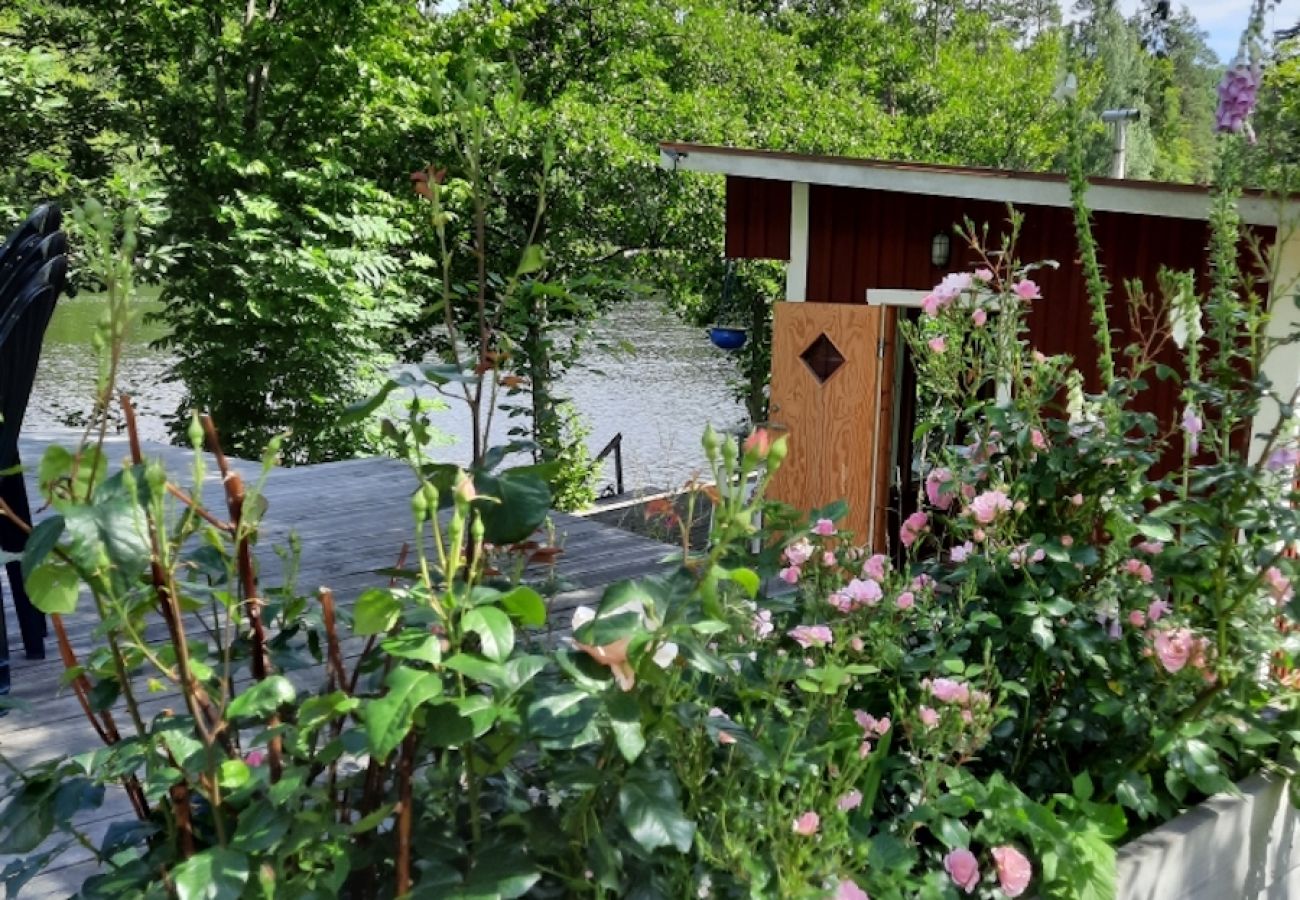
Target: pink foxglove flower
<point x="1014" y="870"/>
<point x="1237" y="93"/>
<point x="824" y="528"/>
<point x="1158" y="610"/>
<point x="963" y="869"/>
<point x="1283" y="459"/>
<point x="807" y="824"/>
<point x="1193" y="425"/>
<point x="1278" y="584"/>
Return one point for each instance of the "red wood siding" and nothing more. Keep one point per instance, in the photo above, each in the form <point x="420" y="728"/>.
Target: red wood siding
<point x="758" y="218"/>
<point x="860" y="239"/>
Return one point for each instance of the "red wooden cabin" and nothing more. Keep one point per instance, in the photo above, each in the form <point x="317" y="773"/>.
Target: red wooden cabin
<point x="863" y="241"/>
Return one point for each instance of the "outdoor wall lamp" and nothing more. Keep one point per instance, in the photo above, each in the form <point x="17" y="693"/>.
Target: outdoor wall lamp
<point x="940" y="249"/>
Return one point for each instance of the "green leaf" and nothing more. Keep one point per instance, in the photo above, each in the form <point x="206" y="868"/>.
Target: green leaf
<point x="747" y="579"/>
<point x="44" y="537"/>
<point x="526" y="605"/>
<point x="1155" y="530"/>
<point x="215" y="874"/>
<point x="625" y="718"/>
<point x="652" y="812"/>
<point x="234" y="774"/>
<point x="561" y="715"/>
<point x="414" y="644"/>
<point x="531" y="261"/>
<point x="496" y="635"/>
<point x="375" y="612"/>
<point x="28" y="817"/>
<point x="524" y="503"/>
<point x="1082" y="786"/>
<point x="388" y="718"/>
<point x="1041" y="631"/>
<point x="53" y="588"/>
<point x="263" y="698"/>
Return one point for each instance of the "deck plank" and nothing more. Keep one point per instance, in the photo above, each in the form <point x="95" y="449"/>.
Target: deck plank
<point x="352" y="518"/>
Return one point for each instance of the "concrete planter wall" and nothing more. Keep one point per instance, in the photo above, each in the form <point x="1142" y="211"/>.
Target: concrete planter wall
<point x="1227" y="848"/>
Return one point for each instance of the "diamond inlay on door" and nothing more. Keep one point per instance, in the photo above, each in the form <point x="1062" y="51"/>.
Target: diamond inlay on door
<point x="822" y="358"/>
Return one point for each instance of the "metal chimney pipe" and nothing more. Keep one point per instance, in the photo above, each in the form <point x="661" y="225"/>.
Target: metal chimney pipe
<point x="1119" y="154"/>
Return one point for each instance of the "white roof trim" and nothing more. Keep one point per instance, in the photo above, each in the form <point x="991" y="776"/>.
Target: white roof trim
<point x="1002" y="188"/>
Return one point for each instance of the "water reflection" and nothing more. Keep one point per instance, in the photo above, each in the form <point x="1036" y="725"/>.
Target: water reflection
<point x="659" y="397"/>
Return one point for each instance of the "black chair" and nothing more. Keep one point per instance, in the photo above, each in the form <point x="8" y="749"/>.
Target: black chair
<point x="33" y="271"/>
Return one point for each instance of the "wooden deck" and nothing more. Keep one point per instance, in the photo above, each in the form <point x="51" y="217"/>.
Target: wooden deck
<point x="352" y="518"/>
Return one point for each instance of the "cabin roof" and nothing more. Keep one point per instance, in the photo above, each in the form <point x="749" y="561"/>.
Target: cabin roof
<point x="1147" y="198"/>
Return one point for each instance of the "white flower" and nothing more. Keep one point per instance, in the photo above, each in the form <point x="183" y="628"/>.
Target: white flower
<point x="1185" y="320"/>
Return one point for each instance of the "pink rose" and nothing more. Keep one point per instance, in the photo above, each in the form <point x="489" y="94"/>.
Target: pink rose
<point x="929" y="717"/>
<point x="824" y="528"/>
<point x="807" y="824"/>
<point x="874" y="567"/>
<point x="937" y="344"/>
<point x="1026" y="290"/>
<point x="912" y="527"/>
<point x="799" y="552"/>
<point x="857" y="644"/>
<point x="1077" y="500"/>
<point x="1137" y="619"/>
<point x="963" y="869"/>
<point x="906" y="600"/>
<point x="864" y="592"/>
<point x="255" y="757"/>
<point x="961" y="552"/>
<point x="849" y="890"/>
<point x="828" y="559"/>
<point x="1038" y="439"/>
<point x="790" y="575"/>
<point x="758" y="444"/>
<point x="1174" y="649"/>
<point x="851" y="800"/>
<point x="946" y="690"/>
<point x="988" y="505"/>
<point x="1014" y="870"/>
<point x="812" y="635"/>
<point x="1155" y="548"/>
<point x="935" y="488"/>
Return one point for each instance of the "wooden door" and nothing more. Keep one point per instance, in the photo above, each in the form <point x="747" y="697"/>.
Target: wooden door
<point x="832" y="380"/>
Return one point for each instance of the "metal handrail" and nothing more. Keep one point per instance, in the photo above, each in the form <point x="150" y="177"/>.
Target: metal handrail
<point x="614" y="446"/>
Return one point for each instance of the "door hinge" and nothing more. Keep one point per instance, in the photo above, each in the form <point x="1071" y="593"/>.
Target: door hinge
<point x="880" y="348"/>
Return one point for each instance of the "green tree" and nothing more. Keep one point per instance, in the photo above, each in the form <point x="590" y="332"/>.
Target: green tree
<point x="280" y="131"/>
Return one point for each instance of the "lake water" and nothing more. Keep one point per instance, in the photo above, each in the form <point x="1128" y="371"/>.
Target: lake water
<point x="660" y="396"/>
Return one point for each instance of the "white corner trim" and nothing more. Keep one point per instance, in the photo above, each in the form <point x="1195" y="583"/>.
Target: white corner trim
<point x="796" y="271"/>
<point x="895" y="297"/>
<point x="1282" y="366"/>
<point x="997" y="186"/>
